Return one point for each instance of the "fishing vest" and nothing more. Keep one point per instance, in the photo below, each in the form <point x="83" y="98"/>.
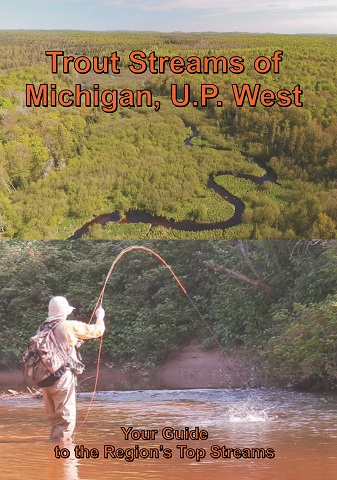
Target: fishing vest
<point x="49" y="355"/>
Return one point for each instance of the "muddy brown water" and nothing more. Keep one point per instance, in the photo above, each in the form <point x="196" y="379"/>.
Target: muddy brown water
<point x="301" y="428"/>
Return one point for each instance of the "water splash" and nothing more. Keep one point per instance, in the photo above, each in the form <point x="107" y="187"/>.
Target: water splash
<point x="246" y="412"/>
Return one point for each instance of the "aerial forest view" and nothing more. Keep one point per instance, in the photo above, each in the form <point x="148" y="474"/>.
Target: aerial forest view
<point x="219" y="171"/>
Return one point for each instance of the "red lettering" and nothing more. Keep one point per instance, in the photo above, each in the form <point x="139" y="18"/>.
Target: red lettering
<point x="41" y="96"/>
<point x="54" y="55"/>
<point x="246" y="91"/>
<point x="133" y="58"/>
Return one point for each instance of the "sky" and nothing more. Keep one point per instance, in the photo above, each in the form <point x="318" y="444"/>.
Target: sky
<point x="275" y="16"/>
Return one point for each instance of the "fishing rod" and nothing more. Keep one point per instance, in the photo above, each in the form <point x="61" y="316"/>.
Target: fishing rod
<point x="146" y="249"/>
<point x="100" y="302"/>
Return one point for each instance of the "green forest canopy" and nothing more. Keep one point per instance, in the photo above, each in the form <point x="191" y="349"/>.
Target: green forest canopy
<point x="275" y="298"/>
<point x="60" y="167"/>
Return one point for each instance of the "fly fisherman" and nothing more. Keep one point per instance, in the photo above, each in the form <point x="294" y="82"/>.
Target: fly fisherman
<point x="59" y="388"/>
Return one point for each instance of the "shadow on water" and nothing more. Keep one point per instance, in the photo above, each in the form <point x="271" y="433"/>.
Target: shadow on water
<point x="137" y="216"/>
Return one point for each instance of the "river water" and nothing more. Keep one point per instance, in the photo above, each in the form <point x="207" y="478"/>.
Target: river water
<point x="137" y="216"/>
<point x="301" y="429"/>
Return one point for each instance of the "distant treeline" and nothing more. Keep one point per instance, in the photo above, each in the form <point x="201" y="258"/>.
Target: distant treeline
<point x="275" y="298"/>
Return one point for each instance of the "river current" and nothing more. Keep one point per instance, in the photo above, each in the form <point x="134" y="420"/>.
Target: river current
<point x="137" y="216"/>
<point x="300" y="428"/>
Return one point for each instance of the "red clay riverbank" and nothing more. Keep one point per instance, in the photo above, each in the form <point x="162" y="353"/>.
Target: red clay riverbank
<point x="191" y="368"/>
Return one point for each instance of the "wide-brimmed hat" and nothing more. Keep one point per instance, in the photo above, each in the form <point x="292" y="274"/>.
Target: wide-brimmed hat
<point x="59" y="306"/>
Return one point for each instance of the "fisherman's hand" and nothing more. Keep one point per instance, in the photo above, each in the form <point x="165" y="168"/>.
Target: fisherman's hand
<point x="100" y="313"/>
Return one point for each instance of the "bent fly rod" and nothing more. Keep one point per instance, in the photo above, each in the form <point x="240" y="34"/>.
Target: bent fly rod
<point x="100" y="301"/>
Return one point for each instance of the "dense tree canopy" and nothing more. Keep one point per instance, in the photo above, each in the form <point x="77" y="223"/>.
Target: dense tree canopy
<point x="274" y="297"/>
<point x="60" y="167"/>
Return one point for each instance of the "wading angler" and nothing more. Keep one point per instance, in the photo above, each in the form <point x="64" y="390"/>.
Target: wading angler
<point x="51" y="361"/>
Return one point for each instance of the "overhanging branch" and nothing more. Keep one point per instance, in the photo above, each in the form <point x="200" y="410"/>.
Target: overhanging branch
<point x="258" y="283"/>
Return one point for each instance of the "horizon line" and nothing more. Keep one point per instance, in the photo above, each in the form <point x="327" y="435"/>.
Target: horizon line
<point x="159" y="31"/>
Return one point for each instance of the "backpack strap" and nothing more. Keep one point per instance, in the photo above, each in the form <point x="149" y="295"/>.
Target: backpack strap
<point x="62" y="346"/>
<point x="49" y="325"/>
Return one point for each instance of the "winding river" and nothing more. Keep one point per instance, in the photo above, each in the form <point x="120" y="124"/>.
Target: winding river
<point x="137" y="216"/>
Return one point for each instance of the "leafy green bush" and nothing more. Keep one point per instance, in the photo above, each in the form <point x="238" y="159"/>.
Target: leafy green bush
<point x="303" y="349"/>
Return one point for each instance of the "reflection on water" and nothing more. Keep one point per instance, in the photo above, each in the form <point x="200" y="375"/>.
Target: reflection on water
<point x="301" y="428"/>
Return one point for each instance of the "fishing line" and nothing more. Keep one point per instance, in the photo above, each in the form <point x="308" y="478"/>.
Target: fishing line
<point x="100" y="302"/>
